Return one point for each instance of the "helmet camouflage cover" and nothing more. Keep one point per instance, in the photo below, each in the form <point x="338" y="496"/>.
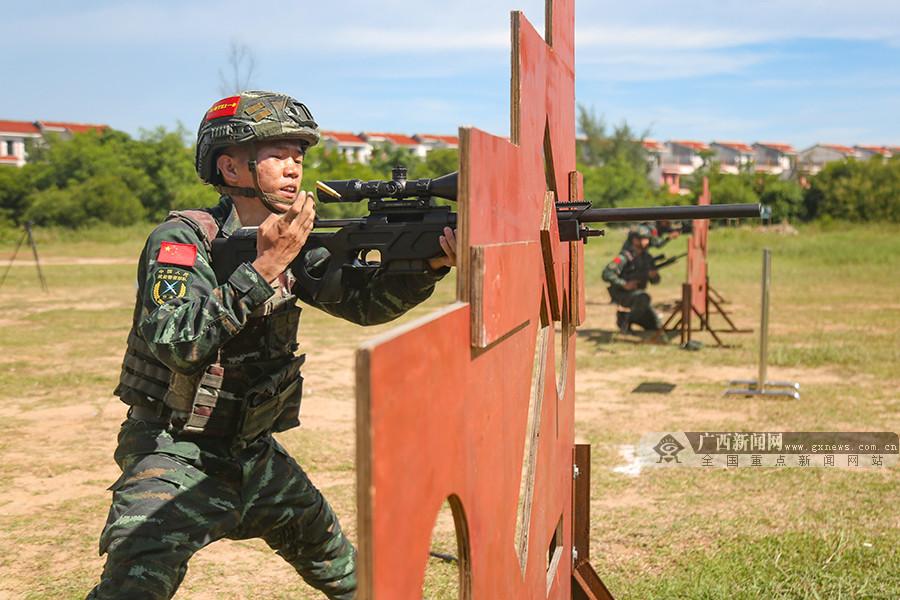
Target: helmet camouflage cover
<point x="248" y="118"/>
<point x="641" y="231"/>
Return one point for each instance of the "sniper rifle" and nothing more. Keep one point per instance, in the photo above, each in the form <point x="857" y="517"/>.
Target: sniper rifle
<point x="403" y="226"/>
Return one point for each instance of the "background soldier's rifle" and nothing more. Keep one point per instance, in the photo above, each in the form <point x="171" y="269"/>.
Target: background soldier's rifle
<point x="400" y="233"/>
<point x="661" y="262"/>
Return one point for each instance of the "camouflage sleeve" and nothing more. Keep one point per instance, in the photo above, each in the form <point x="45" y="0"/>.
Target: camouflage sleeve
<point x="184" y="315"/>
<point x="612" y="274"/>
<point x="659" y="241"/>
<point x="376" y="299"/>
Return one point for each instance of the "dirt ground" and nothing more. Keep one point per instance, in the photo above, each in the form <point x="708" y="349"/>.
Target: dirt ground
<point x="58" y="419"/>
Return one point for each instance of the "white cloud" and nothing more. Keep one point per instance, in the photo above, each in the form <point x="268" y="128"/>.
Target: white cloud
<point x="460" y="24"/>
<point x="660" y="66"/>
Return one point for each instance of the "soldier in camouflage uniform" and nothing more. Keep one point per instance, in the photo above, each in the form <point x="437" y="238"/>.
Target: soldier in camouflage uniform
<point x="210" y="370"/>
<point x="627" y="276"/>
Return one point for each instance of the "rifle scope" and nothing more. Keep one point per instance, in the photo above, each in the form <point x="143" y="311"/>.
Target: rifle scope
<point x="398" y="187"/>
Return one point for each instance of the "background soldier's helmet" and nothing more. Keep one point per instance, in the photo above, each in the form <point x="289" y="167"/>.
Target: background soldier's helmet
<point x="641" y="231"/>
<point x="249" y="118"/>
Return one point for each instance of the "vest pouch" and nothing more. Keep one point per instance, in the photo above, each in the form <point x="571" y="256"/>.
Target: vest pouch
<point x="272" y="403"/>
<point x="198" y="404"/>
<point x="281" y="333"/>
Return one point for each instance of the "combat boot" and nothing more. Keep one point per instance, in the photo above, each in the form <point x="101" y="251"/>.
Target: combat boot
<point x="623" y="321"/>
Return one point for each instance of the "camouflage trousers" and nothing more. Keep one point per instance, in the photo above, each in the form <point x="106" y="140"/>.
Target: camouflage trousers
<point x="638" y="302"/>
<point x="178" y="494"/>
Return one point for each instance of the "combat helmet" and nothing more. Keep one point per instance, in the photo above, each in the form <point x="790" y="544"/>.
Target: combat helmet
<point x="247" y="119"/>
<point x="641" y="231"/>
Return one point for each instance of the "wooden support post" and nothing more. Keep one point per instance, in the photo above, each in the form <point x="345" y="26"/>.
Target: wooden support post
<point x="586" y="584"/>
<point x="685" y="313"/>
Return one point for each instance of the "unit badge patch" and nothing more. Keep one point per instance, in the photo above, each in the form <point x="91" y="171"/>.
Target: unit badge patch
<point x="168" y="284"/>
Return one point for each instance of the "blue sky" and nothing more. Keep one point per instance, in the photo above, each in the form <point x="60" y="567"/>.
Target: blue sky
<point x="799" y="71"/>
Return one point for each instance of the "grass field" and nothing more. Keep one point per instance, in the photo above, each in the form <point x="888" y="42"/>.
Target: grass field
<point x="666" y="533"/>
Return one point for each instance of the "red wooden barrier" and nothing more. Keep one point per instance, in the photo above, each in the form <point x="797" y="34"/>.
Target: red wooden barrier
<point x="466" y="404"/>
<point x="697" y="271"/>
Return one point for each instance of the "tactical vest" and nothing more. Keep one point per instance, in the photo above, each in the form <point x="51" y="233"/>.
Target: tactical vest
<point x="638" y="267"/>
<point x="253" y="387"/>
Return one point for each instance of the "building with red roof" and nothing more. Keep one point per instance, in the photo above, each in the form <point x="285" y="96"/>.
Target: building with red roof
<point x="15" y="134"/>
<point x="653" y="146"/>
<point x="733" y="157"/>
<point x="349" y="145"/>
<point x="68" y="129"/>
<point x="814" y="158"/>
<point x="396" y="140"/>
<point x="689" y="144"/>
<point x="866" y="152"/>
<point x="681" y="157"/>
<point x="776" y="158"/>
<point x="358" y="147"/>
<point x="433" y="142"/>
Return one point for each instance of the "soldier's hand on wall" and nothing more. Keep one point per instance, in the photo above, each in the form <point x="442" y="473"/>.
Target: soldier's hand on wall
<point x="280" y="237"/>
<point x="448" y="244"/>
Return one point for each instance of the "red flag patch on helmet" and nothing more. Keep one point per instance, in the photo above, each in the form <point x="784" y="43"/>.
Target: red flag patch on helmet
<point x="225" y="107"/>
<point x="172" y="253"/>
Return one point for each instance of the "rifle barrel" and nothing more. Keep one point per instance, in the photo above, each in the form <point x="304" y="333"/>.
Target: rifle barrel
<point x="674" y="213"/>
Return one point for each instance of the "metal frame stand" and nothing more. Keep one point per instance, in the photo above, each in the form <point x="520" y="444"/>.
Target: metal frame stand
<point x="27" y="235"/>
<point x="683" y="312"/>
<point x="760" y="386"/>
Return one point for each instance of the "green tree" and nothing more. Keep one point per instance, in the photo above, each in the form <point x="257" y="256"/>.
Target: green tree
<point x="169" y="164"/>
<point x="387" y="156"/>
<point x="616" y="183"/>
<point x="438" y="162"/>
<point x="15" y="185"/>
<point x="598" y="147"/>
<point x="785" y="198"/>
<point x="614" y="164"/>
<point x="856" y="191"/>
<point x="104" y="198"/>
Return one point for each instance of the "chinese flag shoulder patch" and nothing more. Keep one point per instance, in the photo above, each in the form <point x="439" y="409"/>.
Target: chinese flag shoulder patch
<point x="173" y="253"/>
<point x="618" y="260"/>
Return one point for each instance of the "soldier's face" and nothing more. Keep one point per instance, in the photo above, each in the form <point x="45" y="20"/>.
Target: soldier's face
<point x="280" y="169"/>
<point x="279" y="166"/>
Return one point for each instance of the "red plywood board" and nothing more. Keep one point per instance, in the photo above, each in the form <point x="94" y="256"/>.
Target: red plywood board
<point x="446" y="409"/>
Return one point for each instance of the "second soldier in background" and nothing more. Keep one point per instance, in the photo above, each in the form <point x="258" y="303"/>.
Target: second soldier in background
<point x="628" y="275"/>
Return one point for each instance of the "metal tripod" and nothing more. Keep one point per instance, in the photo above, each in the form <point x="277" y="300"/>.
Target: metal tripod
<point x="26" y="235"/>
